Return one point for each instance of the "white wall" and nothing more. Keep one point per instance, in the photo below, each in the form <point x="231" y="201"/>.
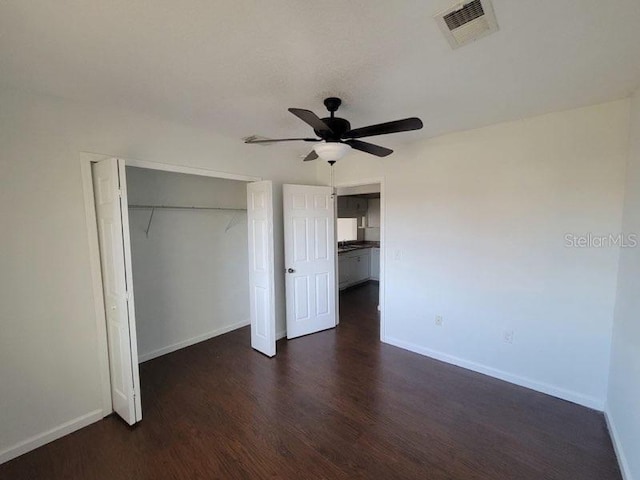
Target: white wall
<point x="190" y="274"/>
<point x="623" y="401"/>
<point x="475" y="232"/>
<point x="49" y="366"/>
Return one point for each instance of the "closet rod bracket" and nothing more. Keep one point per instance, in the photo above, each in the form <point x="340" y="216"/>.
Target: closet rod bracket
<point x="153" y="210"/>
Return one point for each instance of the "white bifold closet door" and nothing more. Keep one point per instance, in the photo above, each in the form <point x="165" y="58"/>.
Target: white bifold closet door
<point x="110" y="192"/>
<point x="261" y="267"/>
<point x="310" y="258"/>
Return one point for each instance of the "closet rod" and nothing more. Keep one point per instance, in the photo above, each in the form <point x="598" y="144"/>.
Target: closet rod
<point x="176" y="207"/>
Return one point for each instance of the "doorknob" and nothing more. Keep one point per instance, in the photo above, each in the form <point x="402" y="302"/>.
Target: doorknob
<point x="290" y="270"/>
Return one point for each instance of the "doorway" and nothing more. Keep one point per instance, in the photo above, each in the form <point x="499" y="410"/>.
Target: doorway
<point x="359" y="236"/>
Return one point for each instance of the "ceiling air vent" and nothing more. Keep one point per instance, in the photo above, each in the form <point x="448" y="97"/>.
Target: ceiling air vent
<point x="467" y="22"/>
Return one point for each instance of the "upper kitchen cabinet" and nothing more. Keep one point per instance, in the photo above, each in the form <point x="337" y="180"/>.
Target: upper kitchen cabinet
<point x="358" y="205"/>
<point x="343" y="206"/>
<point x="352" y="206"/>
<point x="373" y="213"/>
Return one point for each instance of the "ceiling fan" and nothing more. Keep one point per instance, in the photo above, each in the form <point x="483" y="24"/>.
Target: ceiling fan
<point x="336" y="135"/>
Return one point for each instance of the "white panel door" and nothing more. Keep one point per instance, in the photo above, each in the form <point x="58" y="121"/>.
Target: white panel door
<point x="310" y="259"/>
<point x="109" y="186"/>
<point x="261" y="267"/>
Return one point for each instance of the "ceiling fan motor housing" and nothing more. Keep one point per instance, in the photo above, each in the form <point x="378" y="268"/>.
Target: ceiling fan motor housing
<point x="338" y="126"/>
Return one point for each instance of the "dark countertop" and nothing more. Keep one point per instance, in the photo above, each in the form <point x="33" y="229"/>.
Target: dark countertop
<point x="350" y="247"/>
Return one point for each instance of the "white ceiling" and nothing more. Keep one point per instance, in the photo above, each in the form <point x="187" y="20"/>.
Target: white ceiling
<point x="234" y="66"/>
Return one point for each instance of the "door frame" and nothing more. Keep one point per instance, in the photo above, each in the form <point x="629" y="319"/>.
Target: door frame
<point x="86" y="159"/>
<point x="383" y="223"/>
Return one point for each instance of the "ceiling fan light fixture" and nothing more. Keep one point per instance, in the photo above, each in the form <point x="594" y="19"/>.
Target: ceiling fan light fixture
<point x="331" y="151"/>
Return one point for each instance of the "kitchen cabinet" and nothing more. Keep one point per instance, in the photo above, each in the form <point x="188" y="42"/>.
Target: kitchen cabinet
<point x="375" y="264"/>
<point x="345" y="269"/>
<point x="373" y="213"/>
<point x="362" y="266"/>
<point x="354" y="267"/>
<point x="358" y="205"/>
<point x="343" y="206"/>
<point x="352" y="207"/>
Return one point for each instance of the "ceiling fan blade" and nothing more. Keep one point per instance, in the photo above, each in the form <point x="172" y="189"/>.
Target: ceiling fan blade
<point x="312" y="119"/>
<point x="274" y="140"/>
<point x="376" y="150"/>
<point x="312" y="156"/>
<point x="404" y="125"/>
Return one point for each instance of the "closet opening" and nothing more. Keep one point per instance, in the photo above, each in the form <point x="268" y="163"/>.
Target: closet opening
<point x="189" y="258"/>
<point x="178" y="238"/>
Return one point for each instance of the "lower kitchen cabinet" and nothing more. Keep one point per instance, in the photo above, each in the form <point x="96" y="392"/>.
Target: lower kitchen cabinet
<point x="344" y="271"/>
<point x="354" y="267"/>
<point x="375" y="264"/>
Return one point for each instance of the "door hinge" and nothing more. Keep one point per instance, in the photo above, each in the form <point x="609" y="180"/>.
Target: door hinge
<point x="119" y="193"/>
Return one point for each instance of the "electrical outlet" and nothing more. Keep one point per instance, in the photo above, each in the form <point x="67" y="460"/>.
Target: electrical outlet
<point x="508" y="336"/>
<point x="439" y="320"/>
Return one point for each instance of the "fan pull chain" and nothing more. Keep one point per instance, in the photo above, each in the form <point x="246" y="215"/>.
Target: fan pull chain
<point x="333" y="190"/>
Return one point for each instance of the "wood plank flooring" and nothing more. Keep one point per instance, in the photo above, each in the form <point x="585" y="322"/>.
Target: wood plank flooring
<point x="334" y="405"/>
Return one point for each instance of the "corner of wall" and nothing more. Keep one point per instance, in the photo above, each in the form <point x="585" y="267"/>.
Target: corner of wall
<point x="625" y="470"/>
<point x="622" y="383"/>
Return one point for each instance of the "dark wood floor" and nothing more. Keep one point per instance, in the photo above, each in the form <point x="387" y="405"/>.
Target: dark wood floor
<point x="334" y="405"/>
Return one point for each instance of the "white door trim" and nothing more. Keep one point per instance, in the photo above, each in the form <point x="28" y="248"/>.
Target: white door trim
<point x="203" y="172"/>
<point x="383" y="224"/>
<point x="86" y="159"/>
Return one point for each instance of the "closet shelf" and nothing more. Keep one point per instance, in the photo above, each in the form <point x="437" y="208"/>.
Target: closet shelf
<point x="186" y="207"/>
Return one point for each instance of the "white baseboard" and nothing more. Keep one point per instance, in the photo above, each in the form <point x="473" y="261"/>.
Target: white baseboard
<point x="554" y="391"/>
<point x="191" y="341"/>
<point x="281" y="334"/>
<point x="50" y="435"/>
<point x="617" y="446"/>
